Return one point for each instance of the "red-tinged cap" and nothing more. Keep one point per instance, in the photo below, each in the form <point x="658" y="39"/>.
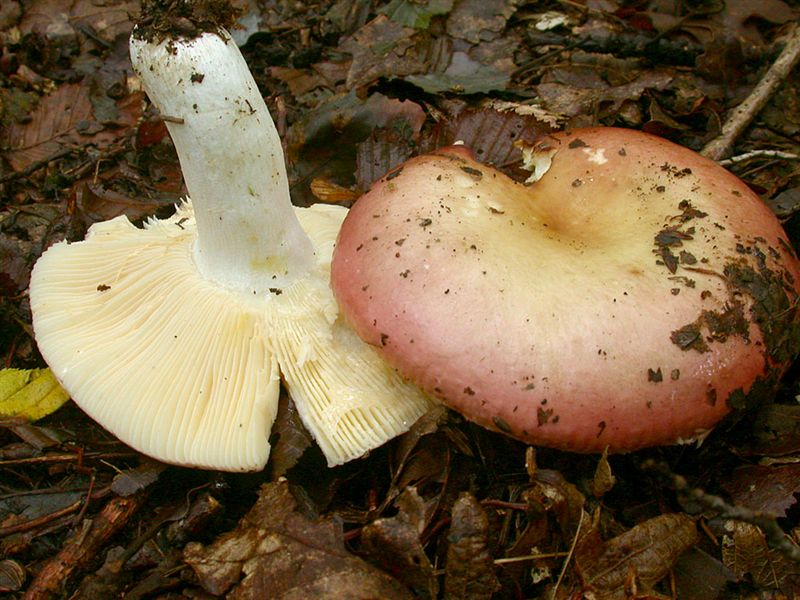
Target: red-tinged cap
<point x="631" y="296"/>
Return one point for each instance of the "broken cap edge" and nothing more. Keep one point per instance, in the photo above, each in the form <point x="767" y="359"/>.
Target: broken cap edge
<point x="133" y="317"/>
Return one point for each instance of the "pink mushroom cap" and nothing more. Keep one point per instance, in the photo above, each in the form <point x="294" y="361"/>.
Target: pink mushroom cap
<point x="631" y="296"/>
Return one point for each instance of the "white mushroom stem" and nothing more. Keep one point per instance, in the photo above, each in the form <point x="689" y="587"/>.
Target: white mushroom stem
<point x="248" y="235"/>
<point x="175" y="336"/>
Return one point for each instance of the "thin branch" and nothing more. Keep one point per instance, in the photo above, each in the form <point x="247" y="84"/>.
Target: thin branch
<point x="743" y="114"/>
<point x="759" y="154"/>
<point x="569" y="555"/>
<point x="35" y="166"/>
<point x="776" y="536"/>
<point x="82" y="548"/>
<point x="39" y="522"/>
<point x="516" y="559"/>
<point x="70" y="457"/>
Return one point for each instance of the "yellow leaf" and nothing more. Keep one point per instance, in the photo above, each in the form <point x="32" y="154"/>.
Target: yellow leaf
<point x="32" y="394"/>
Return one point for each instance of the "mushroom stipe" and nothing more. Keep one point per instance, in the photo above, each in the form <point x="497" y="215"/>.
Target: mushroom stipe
<point x="176" y="337"/>
<point x="630" y="294"/>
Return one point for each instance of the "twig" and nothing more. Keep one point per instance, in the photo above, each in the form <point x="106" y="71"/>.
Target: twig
<point x="776" y="536"/>
<point x="522" y="506"/>
<point x="57" y="458"/>
<point x="78" y="552"/>
<point x="569" y="556"/>
<point x="82" y="511"/>
<point x="516" y="559"/>
<point x="758" y="154"/>
<point x="48" y="518"/>
<point x="39" y="521"/>
<point x="743" y="114"/>
<point x="35" y="166"/>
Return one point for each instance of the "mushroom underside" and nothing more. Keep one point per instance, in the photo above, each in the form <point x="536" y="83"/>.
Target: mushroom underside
<point x="189" y="372"/>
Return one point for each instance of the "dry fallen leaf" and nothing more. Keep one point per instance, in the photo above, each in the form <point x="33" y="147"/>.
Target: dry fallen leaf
<point x="746" y="553"/>
<point x="277" y="548"/>
<point x="394" y="544"/>
<point x="381" y="152"/>
<point x="490" y="132"/>
<point x="323" y="143"/>
<point x="412" y="13"/>
<point x="479" y="20"/>
<point x="603" y="479"/>
<point x="106" y="20"/>
<point x="63" y="119"/>
<point x="699" y="574"/>
<point x="646" y="553"/>
<point x="382" y="48"/>
<point x="559" y="498"/>
<point x="469" y="571"/>
<point x="289" y="439"/>
<point x="764" y="488"/>
<point x="131" y="481"/>
<point x="776" y="431"/>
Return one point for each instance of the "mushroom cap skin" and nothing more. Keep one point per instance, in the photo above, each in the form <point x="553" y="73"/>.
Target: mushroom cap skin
<point x="629" y="297"/>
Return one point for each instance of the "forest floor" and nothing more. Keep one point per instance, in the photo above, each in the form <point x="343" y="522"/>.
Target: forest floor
<point x="449" y="509"/>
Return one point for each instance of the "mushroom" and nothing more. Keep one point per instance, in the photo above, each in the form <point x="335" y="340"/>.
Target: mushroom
<point x="175" y="336"/>
<point x="630" y="294"/>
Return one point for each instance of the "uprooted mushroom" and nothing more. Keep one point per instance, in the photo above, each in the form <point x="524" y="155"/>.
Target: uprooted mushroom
<point x="630" y="294"/>
<point x="175" y="337"/>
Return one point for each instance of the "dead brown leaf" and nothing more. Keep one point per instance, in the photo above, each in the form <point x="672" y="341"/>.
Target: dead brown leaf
<point x="469" y="571"/>
<point x="65" y="118"/>
<point x="698" y="574"/>
<point x="647" y="551"/>
<point x="95" y="202"/>
<point x="573" y="101"/>
<point x="560" y="498"/>
<point x="323" y="144"/>
<point x="300" y="81"/>
<point x="422" y="456"/>
<point x="57" y="18"/>
<point x="742" y="18"/>
<point x="289" y="438"/>
<point x="746" y="553"/>
<point x="603" y="479"/>
<point x="382" y="151"/>
<point x="15" y="272"/>
<point x="382" y="48"/>
<point x="480" y="20"/>
<point x="276" y="548"/>
<point x="132" y="481"/>
<point x="491" y="131"/>
<point x="764" y="488"/>
<point x="776" y="430"/>
<point x="394" y="544"/>
<point x="739" y="19"/>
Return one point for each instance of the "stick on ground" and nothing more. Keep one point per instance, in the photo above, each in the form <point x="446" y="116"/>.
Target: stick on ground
<point x="720" y="147"/>
<point x="82" y="548"/>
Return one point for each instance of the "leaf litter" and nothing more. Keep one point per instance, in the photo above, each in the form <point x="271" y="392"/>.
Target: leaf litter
<point x="447" y="510"/>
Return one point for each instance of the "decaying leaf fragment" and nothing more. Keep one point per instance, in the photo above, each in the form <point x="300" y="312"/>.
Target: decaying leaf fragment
<point x="745" y="552"/>
<point x="469" y="572"/>
<point x="277" y="548"/>
<point x="394" y="544"/>
<point x="603" y="479"/>
<point x="644" y="555"/>
<point x="769" y="489"/>
<point x="32" y="394"/>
